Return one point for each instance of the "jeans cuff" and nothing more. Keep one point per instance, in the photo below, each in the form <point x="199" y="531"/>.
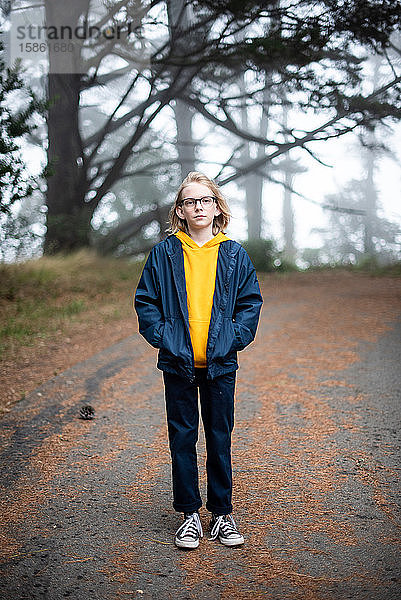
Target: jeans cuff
<point x="218" y="510"/>
<point x="187" y="508"/>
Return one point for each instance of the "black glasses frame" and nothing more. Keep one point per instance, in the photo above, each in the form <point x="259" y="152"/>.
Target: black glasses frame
<point x="200" y="200"/>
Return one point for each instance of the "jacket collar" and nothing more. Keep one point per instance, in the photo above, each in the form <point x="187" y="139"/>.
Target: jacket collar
<point x="176" y="255"/>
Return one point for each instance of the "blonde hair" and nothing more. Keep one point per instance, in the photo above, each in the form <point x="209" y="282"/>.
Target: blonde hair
<point x="220" y="222"/>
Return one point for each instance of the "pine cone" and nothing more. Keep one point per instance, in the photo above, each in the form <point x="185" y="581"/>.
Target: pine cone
<point x="87" y="412"/>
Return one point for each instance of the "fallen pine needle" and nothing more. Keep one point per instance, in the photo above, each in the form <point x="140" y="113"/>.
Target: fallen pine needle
<point x="80" y="559"/>
<point x="29" y="553"/>
<point x="41" y="571"/>
<point x="305" y="575"/>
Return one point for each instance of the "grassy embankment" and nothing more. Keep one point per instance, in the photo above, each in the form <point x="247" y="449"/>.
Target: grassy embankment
<point x="41" y="297"/>
<point x="58" y="310"/>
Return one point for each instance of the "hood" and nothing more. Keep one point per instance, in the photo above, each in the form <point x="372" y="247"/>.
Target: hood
<point x="188" y="241"/>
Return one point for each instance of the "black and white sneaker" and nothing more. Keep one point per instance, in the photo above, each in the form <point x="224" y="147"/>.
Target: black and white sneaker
<point x="224" y="527"/>
<point x="189" y="533"/>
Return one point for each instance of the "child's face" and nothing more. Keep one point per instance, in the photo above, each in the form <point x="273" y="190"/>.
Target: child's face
<point x="199" y="216"/>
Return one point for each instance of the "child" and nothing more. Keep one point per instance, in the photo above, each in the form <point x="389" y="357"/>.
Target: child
<point x="198" y="301"/>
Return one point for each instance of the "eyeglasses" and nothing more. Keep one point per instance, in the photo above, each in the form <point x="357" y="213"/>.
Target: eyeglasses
<point x="206" y="202"/>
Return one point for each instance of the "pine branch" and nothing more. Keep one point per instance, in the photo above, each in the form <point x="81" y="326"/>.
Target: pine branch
<point x="309" y="137"/>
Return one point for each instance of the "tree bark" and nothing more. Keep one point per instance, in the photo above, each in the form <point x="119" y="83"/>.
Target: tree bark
<point x="68" y="216"/>
<point x="288" y="214"/>
<point x="185" y="142"/>
<point x="370" y="203"/>
<point x="288" y="217"/>
<point x="254" y="182"/>
<point x="370" y="189"/>
<point x="179" y="19"/>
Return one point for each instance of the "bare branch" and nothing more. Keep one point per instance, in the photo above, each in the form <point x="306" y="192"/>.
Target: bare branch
<point x="135" y="112"/>
<point x="228" y="161"/>
<point x="319" y="160"/>
<point x="132" y="227"/>
<point x="395" y="48"/>
<point x="227" y="123"/>
<point x="106" y="78"/>
<point x="390" y="64"/>
<point x="309" y="137"/>
<point x="105" y="130"/>
<point x="343" y="209"/>
<point x="164" y="98"/>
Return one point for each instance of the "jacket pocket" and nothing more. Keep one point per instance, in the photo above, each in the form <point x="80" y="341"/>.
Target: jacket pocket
<point x="226" y="341"/>
<point x="243" y="336"/>
<point x="174" y="339"/>
<point x="154" y="334"/>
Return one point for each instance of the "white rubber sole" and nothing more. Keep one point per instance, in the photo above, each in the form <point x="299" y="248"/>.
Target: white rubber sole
<point x="233" y="542"/>
<point x="189" y="545"/>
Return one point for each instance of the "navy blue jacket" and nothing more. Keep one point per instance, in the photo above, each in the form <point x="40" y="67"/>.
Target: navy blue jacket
<point x="161" y="306"/>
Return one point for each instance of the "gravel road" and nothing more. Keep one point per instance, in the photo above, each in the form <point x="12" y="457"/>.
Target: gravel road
<point x="86" y="505"/>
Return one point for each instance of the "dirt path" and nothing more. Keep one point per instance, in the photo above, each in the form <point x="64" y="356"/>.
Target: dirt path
<point x="86" y="505"/>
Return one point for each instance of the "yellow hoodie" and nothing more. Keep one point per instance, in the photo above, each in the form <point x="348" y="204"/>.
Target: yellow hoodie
<point x="200" y="264"/>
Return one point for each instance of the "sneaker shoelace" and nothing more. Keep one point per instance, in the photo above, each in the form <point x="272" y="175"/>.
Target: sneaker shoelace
<point x="191" y="527"/>
<point x="225" y="524"/>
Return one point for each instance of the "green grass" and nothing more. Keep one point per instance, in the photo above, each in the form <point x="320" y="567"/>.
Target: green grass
<point x="41" y="296"/>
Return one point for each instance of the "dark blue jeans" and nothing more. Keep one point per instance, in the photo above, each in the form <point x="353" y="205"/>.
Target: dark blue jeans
<point x="217" y="409"/>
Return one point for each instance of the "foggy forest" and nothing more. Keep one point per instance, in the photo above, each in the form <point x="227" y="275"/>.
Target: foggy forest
<point x="264" y="97"/>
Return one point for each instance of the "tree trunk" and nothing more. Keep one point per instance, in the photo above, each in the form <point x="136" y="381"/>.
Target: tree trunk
<point x="288" y="218"/>
<point x="254" y="191"/>
<point x="185" y="142"/>
<point x="370" y="204"/>
<point x="288" y="214"/>
<point x="254" y="183"/>
<point x="370" y="189"/>
<point x="179" y="18"/>
<point x="68" y="216"/>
